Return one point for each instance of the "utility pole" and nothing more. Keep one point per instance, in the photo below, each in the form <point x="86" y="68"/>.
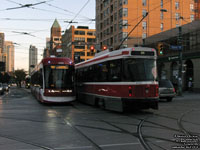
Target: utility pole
<point x="180" y="61"/>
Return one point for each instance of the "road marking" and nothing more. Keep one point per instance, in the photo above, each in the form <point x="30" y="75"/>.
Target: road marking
<point x="65" y="148"/>
<point x="120" y="144"/>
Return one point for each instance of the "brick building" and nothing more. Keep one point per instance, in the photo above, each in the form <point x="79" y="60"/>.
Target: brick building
<point x="116" y="18"/>
<point x="76" y="43"/>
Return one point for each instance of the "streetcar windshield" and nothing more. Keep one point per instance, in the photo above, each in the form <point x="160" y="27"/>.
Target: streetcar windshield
<point x="139" y="70"/>
<point x="58" y="76"/>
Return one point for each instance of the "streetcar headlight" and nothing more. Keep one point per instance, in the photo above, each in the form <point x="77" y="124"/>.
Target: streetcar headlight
<point x="67" y="91"/>
<point x="53" y="91"/>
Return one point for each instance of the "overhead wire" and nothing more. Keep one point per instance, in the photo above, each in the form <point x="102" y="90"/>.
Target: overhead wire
<point x="64" y="9"/>
<point x="31" y="6"/>
<point x="79" y="11"/>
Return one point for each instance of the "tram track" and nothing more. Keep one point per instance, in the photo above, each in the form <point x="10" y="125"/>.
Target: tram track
<point x="74" y="127"/>
<point x="141" y="138"/>
<point x="138" y="134"/>
<point x="180" y="123"/>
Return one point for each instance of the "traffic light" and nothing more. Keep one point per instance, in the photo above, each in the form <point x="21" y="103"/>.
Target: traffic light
<point x="92" y="48"/>
<point x="104" y="47"/>
<point x="160" y="49"/>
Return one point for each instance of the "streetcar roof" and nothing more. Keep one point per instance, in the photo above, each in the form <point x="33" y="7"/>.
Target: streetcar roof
<point x="116" y="54"/>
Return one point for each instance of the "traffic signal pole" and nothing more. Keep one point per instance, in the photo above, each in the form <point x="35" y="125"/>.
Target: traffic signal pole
<point x="180" y="62"/>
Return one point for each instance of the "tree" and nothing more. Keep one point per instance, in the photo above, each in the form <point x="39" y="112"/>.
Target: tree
<point x="20" y="76"/>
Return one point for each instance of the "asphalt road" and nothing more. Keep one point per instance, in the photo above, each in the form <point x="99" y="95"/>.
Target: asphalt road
<point x="25" y="124"/>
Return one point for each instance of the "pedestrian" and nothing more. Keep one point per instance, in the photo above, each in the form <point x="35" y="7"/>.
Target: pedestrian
<point x="189" y="85"/>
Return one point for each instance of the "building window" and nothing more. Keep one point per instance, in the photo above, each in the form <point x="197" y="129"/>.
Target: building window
<point x="111" y="8"/>
<point x="115" y="27"/>
<point x="120" y="13"/>
<point x="177" y="5"/>
<point x="177" y="16"/>
<point x="125" y="24"/>
<point x="144" y="2"/>
<point x="144" y="25"/>
<point x="191" y="7"/>
<point x="124" y="35"/>
<point x="90" y="40"/>
<point x="125" y="12"/>
<point x="111" y="30"/>
<point x="115" y="16"/>
<point x="115" y="39"/>
<point x="79" y="46"/>
<point x="108" y="21"/>
<point x="90" y="33"/>
<point x="144" y="35"/>
<point x="56" y="39"/>
<point x="161" y="26"/>
<point x="161" y="15"/>
<point x="108" y="31"/>
<point x="191" y="17"/>
<point x="79" y="32"/>
<point x="120" y="2"/>
<point x="125" y="2"/>
<point x="108" y="11"/>
<point x="144" y="12"/>
<point x="120" y="24"/>
<point x="104" y="13"/>
<point x="79" y="39"/>
<point x="161" y="3"/>
<point x="120" y="37"/>
<point x="115" y="5"/>
<point x="111" y="19"/>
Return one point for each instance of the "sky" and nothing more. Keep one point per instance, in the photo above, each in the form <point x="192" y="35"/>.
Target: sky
<point x="37" y="22"/>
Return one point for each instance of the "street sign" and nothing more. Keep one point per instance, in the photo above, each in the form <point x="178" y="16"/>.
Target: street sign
<point x="173" y="58"/>
<point x="59" y="50"/>
<point x="175" y="47"/>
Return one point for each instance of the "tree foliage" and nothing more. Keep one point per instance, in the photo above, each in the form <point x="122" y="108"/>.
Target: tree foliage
<point x="20" y="75"/>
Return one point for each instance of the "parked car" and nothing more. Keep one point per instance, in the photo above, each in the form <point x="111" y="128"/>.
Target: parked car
<point x="1" y="89"/>
<point x="166" y="90"/>
<point x="5" y="87"/>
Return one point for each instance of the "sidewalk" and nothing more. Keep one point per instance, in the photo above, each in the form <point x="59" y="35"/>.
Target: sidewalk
<point x="188" y="95"/>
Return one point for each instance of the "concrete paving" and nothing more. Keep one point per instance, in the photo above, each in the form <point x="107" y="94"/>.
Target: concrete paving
<point x="25" y="124"/>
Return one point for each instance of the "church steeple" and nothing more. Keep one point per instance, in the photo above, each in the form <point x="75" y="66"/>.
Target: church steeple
<point x="56" y="24"/>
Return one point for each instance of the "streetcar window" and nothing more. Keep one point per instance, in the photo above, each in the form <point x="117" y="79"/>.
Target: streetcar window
<point x="40" y="79"/>
<point x="104" y="72"/>
<point x="61" y="77"/>
<point x="139" y="70"/>
<point x="115" y="70"/>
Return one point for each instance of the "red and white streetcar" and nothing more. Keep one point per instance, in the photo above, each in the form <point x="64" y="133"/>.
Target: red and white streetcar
<point x="52" y="81"/>
<point x="121" y="79"/>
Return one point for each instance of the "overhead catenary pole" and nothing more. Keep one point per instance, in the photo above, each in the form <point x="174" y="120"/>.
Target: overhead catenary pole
<point x="180" y="62"/>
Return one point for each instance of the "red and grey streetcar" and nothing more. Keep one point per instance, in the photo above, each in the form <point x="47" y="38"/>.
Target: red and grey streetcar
<point x="121" y="79"/>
